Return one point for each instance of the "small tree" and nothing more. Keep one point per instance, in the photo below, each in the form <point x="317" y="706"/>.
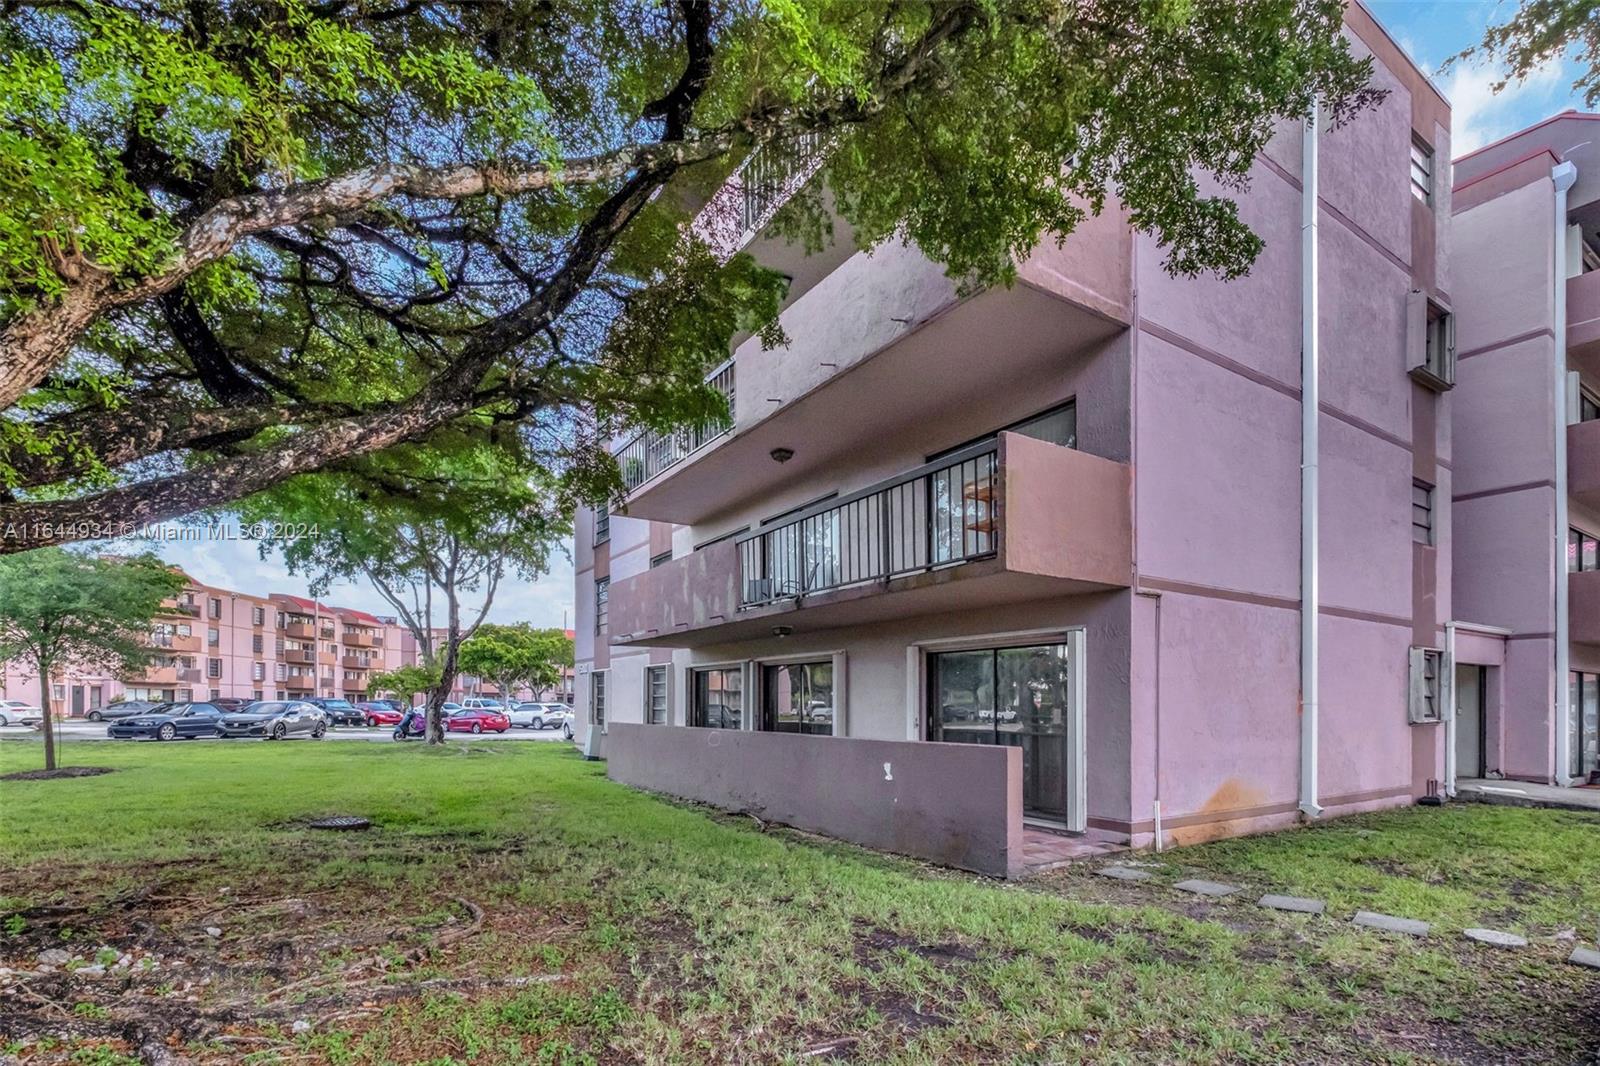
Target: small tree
<point x="511" y="656"/>
<point x="61" y="609"/>
<point x="406" y="681"/>
<point x="430" y="526"/>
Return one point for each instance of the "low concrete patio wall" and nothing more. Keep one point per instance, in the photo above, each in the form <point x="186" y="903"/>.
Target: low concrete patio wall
<point x="957" y="804"/>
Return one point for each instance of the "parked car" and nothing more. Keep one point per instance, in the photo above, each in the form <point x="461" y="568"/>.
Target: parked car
<point x="276" y="720"/>
<point x="16" y="712"/>
<point x="230" y="703"/>
<point x="394" y="705"/>
<point x="170" y="721"/>
<point x="477" y="720"/>
<point x="483" y="703"/>
<point x="378" y="712"/>
<point x="447" y="707"/>
<point x="113" y="712"/>
<point x="538" y="715"/>
<point x="339" y="712"/>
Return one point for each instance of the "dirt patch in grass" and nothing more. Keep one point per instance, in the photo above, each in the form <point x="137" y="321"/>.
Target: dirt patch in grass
<point x="58" y="773"/>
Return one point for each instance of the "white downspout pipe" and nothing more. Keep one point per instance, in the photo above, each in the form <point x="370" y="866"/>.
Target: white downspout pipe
<point x="1563" y="174"/>
<point x="1310" y="404"/>
<point x="1449" y="688"/>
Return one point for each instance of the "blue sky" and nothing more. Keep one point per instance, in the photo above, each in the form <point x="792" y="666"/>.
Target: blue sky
<point x="1433" y="30"/>
<point x="1430" y="30"/>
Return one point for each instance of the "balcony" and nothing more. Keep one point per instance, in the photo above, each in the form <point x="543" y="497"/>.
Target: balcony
<point x="1583" y="321"/>
<point x="299" y="655"/>
<point x="355" y="662"/>
<point x="300" y="631"/>
<point x="1583" y="463"/>
<point x="1583" y="607"/>
<point x="650" y="453"/>
<point x="155" y="675"/>
<point x="1004" y="521"/>
<point x="358" y="638"/>
<point x="188" y="610"/>
<point x="880" y="350"/>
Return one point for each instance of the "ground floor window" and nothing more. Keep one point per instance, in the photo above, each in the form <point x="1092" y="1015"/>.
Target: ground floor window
<point x="798" y="698"/>
<point x="597" y="697"/>
<point x="655" y="695"/>
<point x="1583" y="719"/>
<point x="1017" y="696"/>
<point x="717" y="698"/>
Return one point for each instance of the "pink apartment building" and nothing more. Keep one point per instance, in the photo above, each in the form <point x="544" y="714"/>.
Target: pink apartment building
<point x="215" y="642"/>
<point x="1042" y="567"/>
<point x="1526" y="508"/>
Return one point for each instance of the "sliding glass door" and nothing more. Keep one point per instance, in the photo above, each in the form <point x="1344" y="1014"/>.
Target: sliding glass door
<point x="1017" y="696"/>
<point x="798" y="698"/>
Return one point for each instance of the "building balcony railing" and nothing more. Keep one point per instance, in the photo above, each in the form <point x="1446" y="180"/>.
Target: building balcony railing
<point x="355" y="662"/>
<point x="299" y="655"/>
<point x="937" y="515"/>
<point x="651" y="452"/>
<point x="1003" y="521"/>
<point x="188" y="610"/>
<point x="1583" y="462"/>
<point x="358" y="638"/>
<point x="301" y="630"/>
<point x="155" y="675"/>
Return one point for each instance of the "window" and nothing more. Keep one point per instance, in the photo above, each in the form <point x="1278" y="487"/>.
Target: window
<point x="58" y="693"/>
<point x="661" y="560"/>
<point x="602" y="594"/>
<point x="282" y="694"/>
<point x="655" y="695"/>
<point x="717" y="698"/>
<point x="798" y="698"/>
<point x="214" y="608"/>
<point x="1430" y="342"/>
<point x="213" y="637"/>
<point x="1056" y="425"/>
<point x="597" y="698"/>
<point x="213" y="667"/>
<point x="602" y="526"/>
<point x="1422" y="512"/>
<point x="1583" y="725"/>
<point x="216" y="693"/>
<point x="1019" y="695"/>
<point x="1422" y="170"/>
<point x="1581" y="551"/>
<point x="257" y="644"/>
<point x="1588" y="406"/>
<point x="1426" y="670"/>
<point x="185" y="629"/>
<point x="258" y="672"/>
<point x="258" y="616"/>
<point x="282" y="620"/>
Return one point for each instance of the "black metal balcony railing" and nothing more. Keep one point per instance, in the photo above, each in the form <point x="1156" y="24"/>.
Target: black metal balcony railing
<point x="936" y="515"/>
<point x="648" y="454"/>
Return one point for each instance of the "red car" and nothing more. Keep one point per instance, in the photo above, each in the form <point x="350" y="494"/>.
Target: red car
<point x="474" y="720"/>
<point x="379" y="713"/>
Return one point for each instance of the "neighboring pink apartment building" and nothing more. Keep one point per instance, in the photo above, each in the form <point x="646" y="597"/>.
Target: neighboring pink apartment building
<point x="1526" y="245"/>
<point x="212" y="642"/>
<point x="1065" y="526"/>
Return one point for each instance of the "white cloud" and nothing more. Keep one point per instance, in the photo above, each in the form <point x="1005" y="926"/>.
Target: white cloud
<point x="1479" y="115"/>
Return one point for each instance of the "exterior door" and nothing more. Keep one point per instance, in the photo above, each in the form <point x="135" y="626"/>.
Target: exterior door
<point x="77" y="701"/>
<point x="1584" y="725"/>
<point x="1469" y="721"/>
<point x="1022" y="697"/>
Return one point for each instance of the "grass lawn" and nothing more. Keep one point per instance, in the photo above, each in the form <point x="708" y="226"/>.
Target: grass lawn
<point x="512" y="905"/>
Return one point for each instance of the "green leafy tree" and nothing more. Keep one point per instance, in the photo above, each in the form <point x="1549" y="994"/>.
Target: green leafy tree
<point x="1539" y="32"/>
<point x="62" y="609"/>
<point x="511" y="656"/>
<point x="433" y="528"/>
<point x="242" y="242"/>
<point x="404" y="682"/>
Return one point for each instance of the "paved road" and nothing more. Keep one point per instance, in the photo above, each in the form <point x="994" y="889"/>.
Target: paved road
<point x="80" y="730"/>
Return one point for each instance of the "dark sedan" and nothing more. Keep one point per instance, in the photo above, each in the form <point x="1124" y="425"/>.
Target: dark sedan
<point x="275" y="720"/>
<point x="170" y="721"/>
<point x="340" y="712"/>
<point x="113" y="712"/>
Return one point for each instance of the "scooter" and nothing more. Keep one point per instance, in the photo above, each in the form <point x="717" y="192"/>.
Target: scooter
<point x="413" y="726"/>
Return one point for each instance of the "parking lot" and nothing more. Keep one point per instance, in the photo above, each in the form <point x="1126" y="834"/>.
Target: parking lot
<point x="77" y="729"/>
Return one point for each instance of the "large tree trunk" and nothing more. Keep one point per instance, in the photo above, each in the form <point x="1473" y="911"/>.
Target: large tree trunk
<point x="48" y="725"/>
